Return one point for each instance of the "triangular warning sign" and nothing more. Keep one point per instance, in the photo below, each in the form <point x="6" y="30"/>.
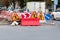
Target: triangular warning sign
<point x="40" y="16"/>
<point x="34" y="15"/>
<point x="15" y="17"/>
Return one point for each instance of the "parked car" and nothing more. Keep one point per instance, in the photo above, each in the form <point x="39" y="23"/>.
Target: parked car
<point x="56" y="14"/>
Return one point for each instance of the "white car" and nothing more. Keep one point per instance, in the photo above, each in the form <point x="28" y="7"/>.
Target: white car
<point x="56" y="15"/>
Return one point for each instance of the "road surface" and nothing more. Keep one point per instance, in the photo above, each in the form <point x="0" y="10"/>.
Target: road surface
<point x="43" y="32"/>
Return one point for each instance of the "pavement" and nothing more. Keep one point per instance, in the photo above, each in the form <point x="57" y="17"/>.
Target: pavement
<point x="43" y="32"/>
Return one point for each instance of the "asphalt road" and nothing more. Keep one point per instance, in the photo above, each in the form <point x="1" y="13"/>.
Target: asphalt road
<point x="43" y="32"/>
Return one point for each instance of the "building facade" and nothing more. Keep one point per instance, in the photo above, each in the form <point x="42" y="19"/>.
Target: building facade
<point x="48" y="2"/>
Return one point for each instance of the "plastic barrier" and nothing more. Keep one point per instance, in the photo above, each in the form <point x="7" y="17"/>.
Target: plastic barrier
<point x="27" y="15"/>
<point x="22" y="16"/>
<point x="30" y="22"/>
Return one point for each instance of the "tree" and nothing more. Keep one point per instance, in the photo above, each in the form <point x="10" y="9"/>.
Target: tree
<point x="6" y="2"/>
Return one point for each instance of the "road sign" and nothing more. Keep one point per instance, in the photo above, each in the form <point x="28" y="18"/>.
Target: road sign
<point x="47" y="16"/>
